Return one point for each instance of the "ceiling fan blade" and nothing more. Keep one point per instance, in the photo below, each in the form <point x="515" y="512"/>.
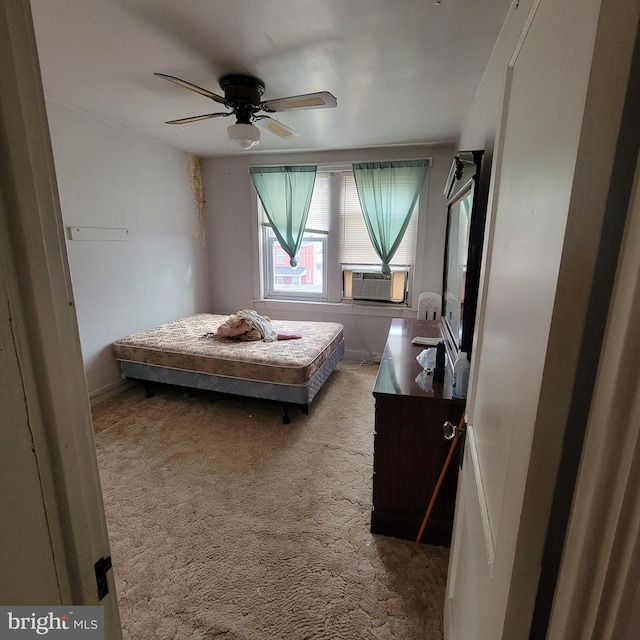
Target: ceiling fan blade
<point x="271" y="124"/>
<point x="319" y="100"/>
<point x="193" y="87"/>
<point x="196" y="118"/>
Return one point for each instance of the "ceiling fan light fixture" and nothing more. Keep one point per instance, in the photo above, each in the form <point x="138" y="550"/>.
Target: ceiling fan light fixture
<point x="244" y="135"/>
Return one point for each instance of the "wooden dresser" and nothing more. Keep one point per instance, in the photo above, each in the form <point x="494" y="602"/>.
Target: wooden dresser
<point x="409" y="447"/>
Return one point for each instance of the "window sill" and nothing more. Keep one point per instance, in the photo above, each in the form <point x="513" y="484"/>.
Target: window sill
<point x="359" y="308"/>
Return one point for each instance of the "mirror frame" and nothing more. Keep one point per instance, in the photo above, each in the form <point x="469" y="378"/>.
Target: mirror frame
<point x="464" y="175"/>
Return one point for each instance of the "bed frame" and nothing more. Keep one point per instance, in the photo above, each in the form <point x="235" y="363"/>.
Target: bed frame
<point x="315" y="365"/>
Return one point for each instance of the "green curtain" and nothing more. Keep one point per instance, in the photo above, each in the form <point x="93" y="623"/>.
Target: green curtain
<point x="388" y="192"/>
<point x="285" y="193"/>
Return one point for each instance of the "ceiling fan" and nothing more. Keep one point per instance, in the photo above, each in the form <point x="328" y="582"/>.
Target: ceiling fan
<point x="243" y="95"/>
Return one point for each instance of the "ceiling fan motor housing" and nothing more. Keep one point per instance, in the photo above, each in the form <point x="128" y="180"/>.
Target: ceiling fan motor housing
<point x="238" y="88"/>
<point x="243" y="93"/>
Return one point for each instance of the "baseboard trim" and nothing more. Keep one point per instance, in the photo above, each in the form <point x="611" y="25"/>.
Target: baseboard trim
<point x="360" y="356"/>
<point x="109" y="391"/>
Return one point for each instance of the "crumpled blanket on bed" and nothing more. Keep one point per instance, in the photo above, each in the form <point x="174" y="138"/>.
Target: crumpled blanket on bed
<point x="247" y="325"/>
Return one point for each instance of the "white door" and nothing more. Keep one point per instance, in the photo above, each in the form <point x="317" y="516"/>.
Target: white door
<point x="52" y="528"/>
<point x="546" y="203"/>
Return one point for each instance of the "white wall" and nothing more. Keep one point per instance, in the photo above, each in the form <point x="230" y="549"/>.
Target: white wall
<point x="233" y="255"/>
<point x="108" y="178"/>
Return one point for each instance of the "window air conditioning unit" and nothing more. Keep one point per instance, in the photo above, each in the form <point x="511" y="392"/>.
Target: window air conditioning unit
<point x="370" y="285"/>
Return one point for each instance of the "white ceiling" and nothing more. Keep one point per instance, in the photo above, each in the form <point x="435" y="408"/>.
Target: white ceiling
<point x="403" y="71"/>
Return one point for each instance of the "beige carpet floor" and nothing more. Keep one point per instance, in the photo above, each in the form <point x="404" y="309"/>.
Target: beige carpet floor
<point x="225" y="523"/>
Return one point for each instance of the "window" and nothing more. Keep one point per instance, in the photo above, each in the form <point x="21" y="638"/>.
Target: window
<point x="335" y="227"/>
<point x="307" y="278"/>
<point x="355" y="245"/>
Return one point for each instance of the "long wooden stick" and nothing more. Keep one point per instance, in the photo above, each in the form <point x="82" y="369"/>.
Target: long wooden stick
<point x="438" y="485"/>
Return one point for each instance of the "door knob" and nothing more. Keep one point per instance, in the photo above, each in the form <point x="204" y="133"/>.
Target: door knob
<point x="450" y="431"/>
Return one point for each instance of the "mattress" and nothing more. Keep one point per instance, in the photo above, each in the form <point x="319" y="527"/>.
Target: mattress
<point x="189" y="344"/>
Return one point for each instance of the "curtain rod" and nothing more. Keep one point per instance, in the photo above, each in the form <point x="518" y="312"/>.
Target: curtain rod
<point x="340" y="165"/>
